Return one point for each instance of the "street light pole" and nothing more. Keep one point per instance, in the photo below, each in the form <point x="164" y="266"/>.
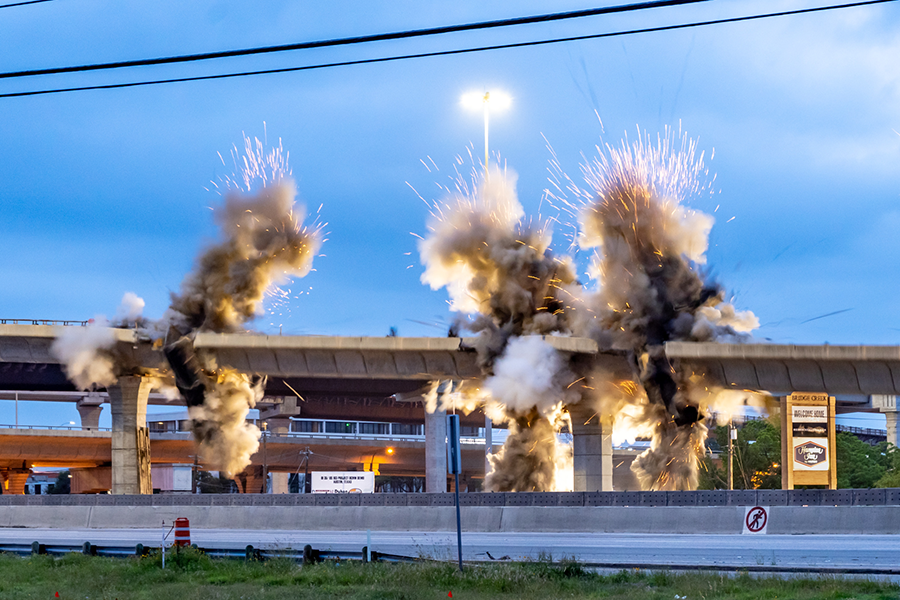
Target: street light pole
<point x="487" y="99"/>
<point x="499" y="100"/>
<point x="732" y="434"/>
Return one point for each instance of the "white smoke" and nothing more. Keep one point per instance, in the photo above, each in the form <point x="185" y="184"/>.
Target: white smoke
<point x="530" y="374"/>
<point x="86" y="354"/>
<point x="131" y="308"/>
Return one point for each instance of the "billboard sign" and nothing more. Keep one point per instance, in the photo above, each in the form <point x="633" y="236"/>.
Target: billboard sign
<point x="343" y="482"/>
<point x="807" y="440"/>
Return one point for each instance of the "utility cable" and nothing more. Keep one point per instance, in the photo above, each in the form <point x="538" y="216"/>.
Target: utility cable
<point x="447" y="52"/>
<point x="380" y="37"/>
<point x="23" y="3"/>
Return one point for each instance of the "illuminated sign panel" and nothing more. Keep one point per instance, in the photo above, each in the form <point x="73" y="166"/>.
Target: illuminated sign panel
<point x="807" y="441"/>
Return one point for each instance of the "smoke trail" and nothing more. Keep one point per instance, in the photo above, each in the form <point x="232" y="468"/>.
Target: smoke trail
<point x="501" y="273"/>
<point x="649" y="246"/>
<point x="264" y="243"/>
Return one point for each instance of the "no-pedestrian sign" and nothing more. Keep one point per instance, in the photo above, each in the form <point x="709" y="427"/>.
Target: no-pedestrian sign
<point x="756" y="519"/>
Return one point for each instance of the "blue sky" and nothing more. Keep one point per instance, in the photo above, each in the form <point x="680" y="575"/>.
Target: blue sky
<point x="104" y="192"/>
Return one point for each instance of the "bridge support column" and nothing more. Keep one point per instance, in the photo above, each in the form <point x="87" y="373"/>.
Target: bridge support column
<point x="891" y="426"/>
<point x="130" y="436"/>
<point x="888" y="405"/>
<point x="279" y="425"/>
<point x="592" y="451"/>
<point x="90" y="414"/>
<point x="250" y="481"/>
<point x="14" y="481"/>
<point x="436" y="451"/>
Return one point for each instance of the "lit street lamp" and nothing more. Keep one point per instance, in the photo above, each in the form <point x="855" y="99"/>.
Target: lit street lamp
<point x="486" y="100"/>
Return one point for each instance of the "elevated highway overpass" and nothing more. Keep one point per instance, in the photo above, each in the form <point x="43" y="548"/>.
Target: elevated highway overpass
<point x="358" y="377"/>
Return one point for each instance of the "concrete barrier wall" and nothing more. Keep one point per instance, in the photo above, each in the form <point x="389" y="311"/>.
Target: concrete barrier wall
<point x="865" y="520"/>
<point x="816" y="497"/>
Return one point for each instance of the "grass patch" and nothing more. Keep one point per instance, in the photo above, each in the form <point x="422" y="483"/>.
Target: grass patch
<point x="194" y="575"/>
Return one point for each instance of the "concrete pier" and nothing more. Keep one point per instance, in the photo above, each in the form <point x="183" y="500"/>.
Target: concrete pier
<point x="13" y="481"/>
<point x="130" y="436"/>
<point x="278" y="425"/>
<point x="436" y="451"/>
<point x="90" y="414"/>
<point x="250" y="481"/>
<point x="592" y="451"/>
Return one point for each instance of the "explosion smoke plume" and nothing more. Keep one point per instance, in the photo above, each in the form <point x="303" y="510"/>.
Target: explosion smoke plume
<point x="263" y="243"/>
<point x="501" y="273"/>
<point x="648" y="248"/>
<point x="651" y="290"/>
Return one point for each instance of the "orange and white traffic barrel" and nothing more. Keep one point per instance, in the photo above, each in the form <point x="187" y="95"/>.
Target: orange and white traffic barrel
<point x="182" y="532"/>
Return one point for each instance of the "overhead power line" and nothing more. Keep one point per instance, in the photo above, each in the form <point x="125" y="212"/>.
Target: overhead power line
<point x="23" y="3"/>
<point x="349" y="41"/>
<point x="448" y="52"/>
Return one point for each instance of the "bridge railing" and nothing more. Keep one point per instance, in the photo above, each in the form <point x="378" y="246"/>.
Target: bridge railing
<point x="53" y="427"/>
<point x="868" y="431"/>
<point x="799" y="498"/>
<point x="43" y="322"/>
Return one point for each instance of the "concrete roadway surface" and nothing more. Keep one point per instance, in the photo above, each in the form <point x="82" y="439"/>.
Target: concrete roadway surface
<point x="823" y="553"/>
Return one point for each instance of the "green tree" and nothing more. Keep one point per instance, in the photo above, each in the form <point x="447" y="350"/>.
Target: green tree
<point x="860" y="465"/>
<point x="891" y="457"/>
<point x="757" y="458"/>
<point x="62" y="485"/>
<point x="757" y="454"/>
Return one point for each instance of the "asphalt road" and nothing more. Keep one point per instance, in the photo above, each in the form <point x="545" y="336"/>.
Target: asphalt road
<point x="815" y="552"/>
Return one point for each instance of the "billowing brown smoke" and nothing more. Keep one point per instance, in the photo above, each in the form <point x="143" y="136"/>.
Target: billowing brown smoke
<point x="501" y="273"/>
<point x="263" y="243"/>
<point x="652" y="290"/>
<point x="649" y="251"/>
<point x="530" y="457"/>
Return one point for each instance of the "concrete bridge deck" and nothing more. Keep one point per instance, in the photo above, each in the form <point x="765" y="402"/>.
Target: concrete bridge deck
<point x="360" y="367"/>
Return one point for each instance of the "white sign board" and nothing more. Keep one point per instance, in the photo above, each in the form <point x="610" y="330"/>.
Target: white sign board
<point x="809" y="414"/>
<point x="343" y="482"/>
<point x="756" y="520"/>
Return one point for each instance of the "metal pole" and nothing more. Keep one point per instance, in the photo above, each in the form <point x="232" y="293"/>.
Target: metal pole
<point x="17" y="410"/>
<point x="488" y="445"/>
<point x="731" y="431"/>
<point x="163" y="545"/>
<point x="458" y="524"/>
<point x="265" y="475"/>
<point x="487" y="98"/>
<point x="307" y="487"/>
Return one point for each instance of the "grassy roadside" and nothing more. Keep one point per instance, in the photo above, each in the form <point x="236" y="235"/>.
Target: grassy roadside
<point x="196" y="576"/>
